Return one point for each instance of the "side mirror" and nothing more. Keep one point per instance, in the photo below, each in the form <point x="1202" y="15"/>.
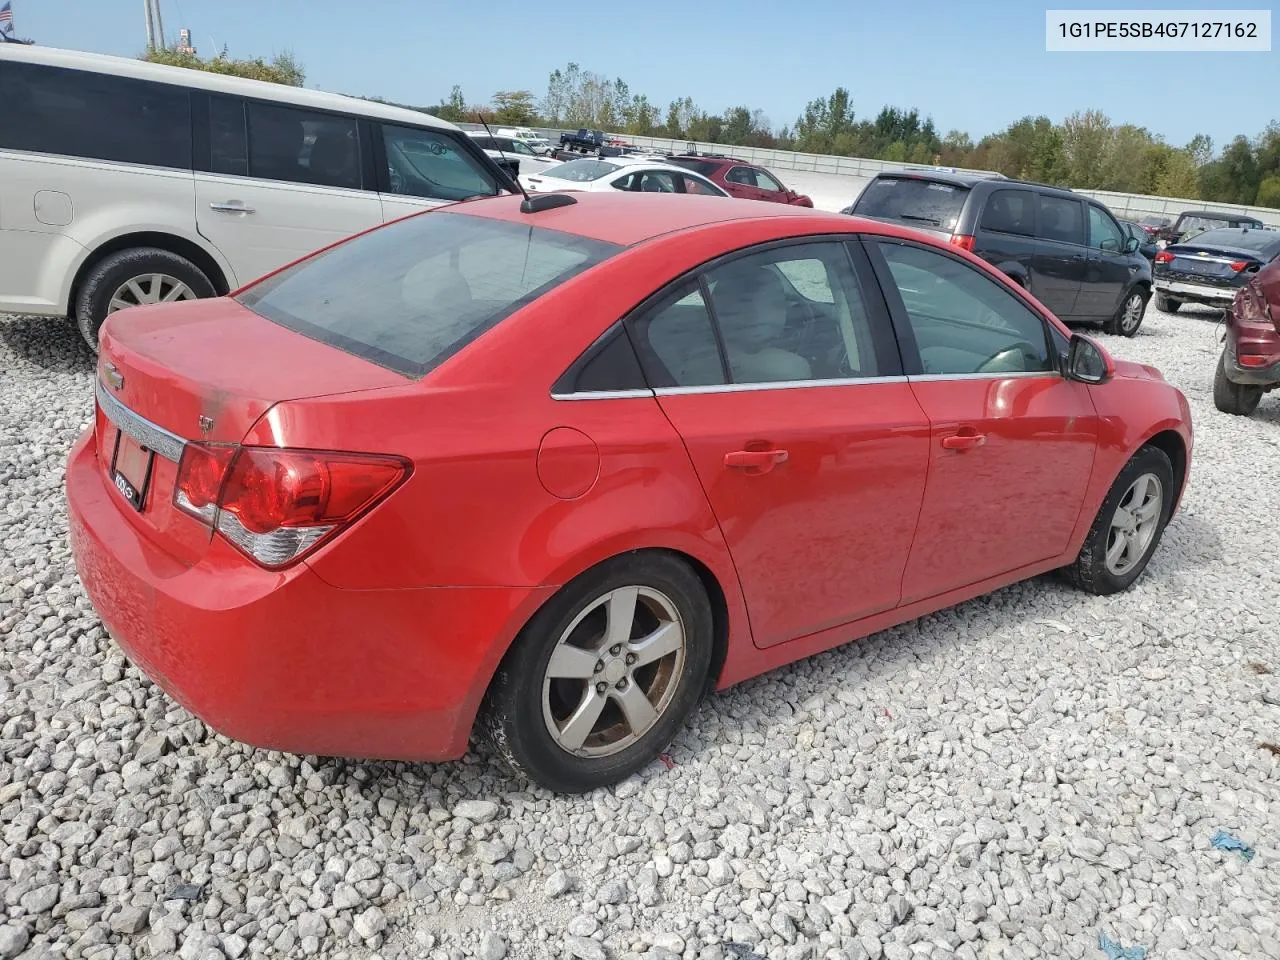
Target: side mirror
<point x="1087" y="362"/>
<point x="1131" y="245"/>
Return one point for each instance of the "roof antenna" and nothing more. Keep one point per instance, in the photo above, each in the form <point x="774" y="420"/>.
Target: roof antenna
<point x="544" y="201"/>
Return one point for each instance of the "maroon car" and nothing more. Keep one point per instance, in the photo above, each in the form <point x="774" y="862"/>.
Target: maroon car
<point x="1250" y="361"/>
<point x="740" y="178"/>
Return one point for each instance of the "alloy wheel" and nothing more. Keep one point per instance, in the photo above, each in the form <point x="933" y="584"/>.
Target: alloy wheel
<point x="149" y="288"/>
<point x="613" y="672"/>
<point x="1132" y="313"/>
<point x="1134" y="524"/>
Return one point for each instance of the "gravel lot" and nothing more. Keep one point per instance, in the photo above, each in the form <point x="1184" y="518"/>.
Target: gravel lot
<point x="1011" y="778"/>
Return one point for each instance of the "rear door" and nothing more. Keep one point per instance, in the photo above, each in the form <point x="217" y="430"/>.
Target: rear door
<point x="1061" y="258"/>
<point x="743" y="180"/>
<point x="1109" y="270"/>
<point x="418" y="168"/>
<point x="279" y="182"/>
<point x="1012" y="442"/>
<point x="778" y="368"/>
<point x="1007" y="232"/>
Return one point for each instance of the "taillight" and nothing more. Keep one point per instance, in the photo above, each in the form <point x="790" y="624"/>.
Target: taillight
<point x="201" y="471"/>
<point x="963" y="240"/>
<point x="1164" y="256"/>
<point x="275" y="505"/>
<point x="1252" y="361"/>
<point x="1238" y="265"/>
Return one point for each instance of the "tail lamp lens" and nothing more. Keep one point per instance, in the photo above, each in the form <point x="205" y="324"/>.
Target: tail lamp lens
<point x="1164" y="256"/>
<point x="276" y="504"/>
<point x="963" y="241"/>
<point x="1238" y="265"/>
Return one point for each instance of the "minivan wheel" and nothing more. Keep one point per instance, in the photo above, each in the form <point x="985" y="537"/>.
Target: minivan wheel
<point x="1166" y="304"/>
<point x="1128" y="526"/>
<point x="604" y="675"/>
<point x="132" y="277"/>
<point x="1240" y="399"/>
<point x="1128" y="318"/>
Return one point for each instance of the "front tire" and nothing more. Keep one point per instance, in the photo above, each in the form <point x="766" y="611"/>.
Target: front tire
<point x="1166" y="304"/>
<point x="1128" y="317"/>
<point x="127" y="278"/>
<point x="1239" y="399"/>
<point x="1128" y="526"/>
<point x="604" y="675"/>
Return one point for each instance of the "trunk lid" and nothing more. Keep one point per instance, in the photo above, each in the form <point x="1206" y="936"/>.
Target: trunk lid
<point x="203" y="370"/>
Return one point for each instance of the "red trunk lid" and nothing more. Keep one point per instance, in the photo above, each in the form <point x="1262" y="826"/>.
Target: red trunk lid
<point x="205" y="371"/>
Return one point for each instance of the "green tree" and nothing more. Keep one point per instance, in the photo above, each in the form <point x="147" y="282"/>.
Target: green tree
<point x="1269" y="192"/>
<point x="515" y="107"/>
<point x="281" y="68"/>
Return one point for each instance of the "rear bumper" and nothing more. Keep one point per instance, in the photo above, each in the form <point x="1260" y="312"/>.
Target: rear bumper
<point x="1196" y="292"/>
<point x="1264" y="372"/>
<point x="283" y="660"/>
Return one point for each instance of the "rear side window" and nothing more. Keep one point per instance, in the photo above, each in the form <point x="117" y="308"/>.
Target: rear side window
<point x="1060" y="219"/>
<point x="303" y="147"/>
<point x="411" y="294"/>
<point x="97" y="116"/>
<point x="1010" y="211"/>
<point x="926" y="202"/>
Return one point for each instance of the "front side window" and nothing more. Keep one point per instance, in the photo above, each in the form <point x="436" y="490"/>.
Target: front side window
<point x="766" y="182"/>
<point x="1060" y="219"/>
<point x="964" y="323"/>
<point x="411" y="294"/>
<point x="1104" y="234"/>
<point x="300" y="146"/>
<point x="433" y="165"/>
<point x="96" y="116"/>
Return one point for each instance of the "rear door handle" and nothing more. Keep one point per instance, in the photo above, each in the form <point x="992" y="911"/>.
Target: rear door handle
<point x="759" y="461"/>
<point x="964" y="441"/>
<point x="230" y="206"/>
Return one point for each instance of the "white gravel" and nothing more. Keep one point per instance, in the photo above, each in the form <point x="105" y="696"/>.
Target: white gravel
<point x="1008" y="779"/>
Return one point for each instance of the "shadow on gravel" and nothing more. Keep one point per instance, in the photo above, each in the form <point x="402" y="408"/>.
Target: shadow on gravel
<point x="48" y="343"/>
<point x="1189" y="543"/>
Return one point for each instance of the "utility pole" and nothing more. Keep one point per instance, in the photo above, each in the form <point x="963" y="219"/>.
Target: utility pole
<point x="151" y="27"/>
<point x="160" y="27"/>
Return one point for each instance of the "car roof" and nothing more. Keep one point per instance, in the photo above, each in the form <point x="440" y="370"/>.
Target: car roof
<point x="628" y="218"/>
<point x="1218" y="215"/>
<point x="938" y="176"/>
<point x="217" y="83"/>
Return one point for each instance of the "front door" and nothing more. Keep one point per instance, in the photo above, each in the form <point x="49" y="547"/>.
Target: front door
<point x="288" y="184"/>
<point x="1110" y="268"/>
<point x="807" y="440"/>
<point x="1060" y="260"/>
<point x="1012" y="441"/>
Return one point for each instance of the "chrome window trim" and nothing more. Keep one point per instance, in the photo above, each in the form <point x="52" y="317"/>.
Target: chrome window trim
<point x="605" y="395"/>
<point x="775" y="385"/>
<point x="150" y="435"/>
<point x="984" y="376"/>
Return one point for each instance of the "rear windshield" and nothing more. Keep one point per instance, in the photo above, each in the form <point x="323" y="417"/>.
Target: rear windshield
<point x="411" y="294"/>
<point x="926" y="202"/>
<point x="704" y="167"/>
<point x="581" y="171"/>
<point x="1233" y="238"/>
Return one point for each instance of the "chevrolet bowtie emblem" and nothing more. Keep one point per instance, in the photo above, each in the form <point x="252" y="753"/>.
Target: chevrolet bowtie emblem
<point x="113" y="376"/>
<point x="206" y="424"/>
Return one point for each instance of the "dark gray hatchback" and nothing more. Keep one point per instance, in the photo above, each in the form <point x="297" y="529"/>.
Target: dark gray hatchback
<point x="1067" y="249"/>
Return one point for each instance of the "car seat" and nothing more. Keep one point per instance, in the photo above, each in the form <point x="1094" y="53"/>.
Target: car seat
<point x="751" y="306"/>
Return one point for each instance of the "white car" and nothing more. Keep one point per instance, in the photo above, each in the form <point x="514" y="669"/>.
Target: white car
<point x="539" y="143"/>
<point x="125" y="183"/>
<point x="593" y="174"/>
<point x="511" y="148"/>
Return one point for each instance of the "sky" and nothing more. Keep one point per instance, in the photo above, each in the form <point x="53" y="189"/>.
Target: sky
<point x="975" y="66"/>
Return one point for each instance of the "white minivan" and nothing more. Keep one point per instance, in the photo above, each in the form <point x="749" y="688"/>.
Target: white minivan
<point x="124" y="182"/>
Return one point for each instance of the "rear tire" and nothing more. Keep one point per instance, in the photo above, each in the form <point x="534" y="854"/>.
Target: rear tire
<point x="134" y="276"/>
<point x="533" y="702"/>
<point x="1166" y="304"/>
<point x="1239" y="399"/>
<point x="1128" y="317"/>
<point x="1128" y="526"/>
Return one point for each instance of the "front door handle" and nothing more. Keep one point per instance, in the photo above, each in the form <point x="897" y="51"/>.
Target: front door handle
<point x="756" y="461"/>
<point x="964" y="441"/>
<point x="230" y="206"/>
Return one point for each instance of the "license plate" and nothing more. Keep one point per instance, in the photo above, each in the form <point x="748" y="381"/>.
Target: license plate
<point x="131" y="469"/>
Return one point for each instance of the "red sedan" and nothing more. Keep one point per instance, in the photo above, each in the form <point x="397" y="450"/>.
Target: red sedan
<point x="560" y="468"/>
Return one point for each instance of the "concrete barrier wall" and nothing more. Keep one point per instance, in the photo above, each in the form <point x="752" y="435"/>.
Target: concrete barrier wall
<point x="835" y="182"/>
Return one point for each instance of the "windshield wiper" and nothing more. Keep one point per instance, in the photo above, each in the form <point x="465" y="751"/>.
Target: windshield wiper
<point x="907" y="216"/>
